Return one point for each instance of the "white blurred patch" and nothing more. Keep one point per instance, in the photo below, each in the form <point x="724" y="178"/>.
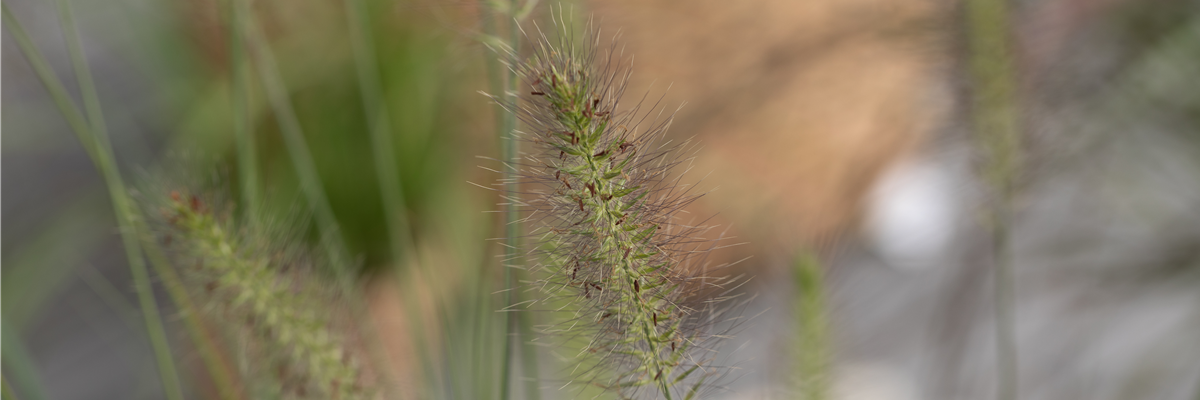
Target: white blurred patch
<point x="854" y="381"/>
<point x="910" y="219"/>
<point x="873" y="382"/>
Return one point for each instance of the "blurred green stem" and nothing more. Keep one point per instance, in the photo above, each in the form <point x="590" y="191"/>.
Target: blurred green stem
<point x="298" y="151"/>
<point x="210" y="353"/>
<point x="247" y="153"/>
<point x="524" y="320"/>
<point x="379" y="122"/>
<point x="108" y="294"/>
<point x="506" y="126"/>
<point x="94" y="139"/>
<point x="813" y="359"/>
<point x="391" y="190"/>
<point x="529" y="365"/>
<point x="995" y="119"/>
<point x="5" y="390"/>
<point x="495" y="81"/>
<point x="17" y="363"/>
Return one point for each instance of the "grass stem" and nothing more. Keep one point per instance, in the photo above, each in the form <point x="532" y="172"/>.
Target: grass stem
<point x="395" y="210"/>
<point x="812" y="351"/>
<point x="247" y="153"/>
<point x="293" y="137"/>
<point x="505" y="82"/>
<point x="219" y="369"/>
<point x="109" y="294"/>
<point x="93" y="136"/>
<point x="524" y="321"/>
<point x="995" y="118"/>
<point x="523" y="331"/>
<point x="380" y="125"/>
<point x="6" y="391"/>
<point x="17" y="362"/>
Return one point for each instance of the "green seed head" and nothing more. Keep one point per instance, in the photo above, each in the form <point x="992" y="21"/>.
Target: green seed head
<point x="611" y="247"/>
<point x="281" y="320"/>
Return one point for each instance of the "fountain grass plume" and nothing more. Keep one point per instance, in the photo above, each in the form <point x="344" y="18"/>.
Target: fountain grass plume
<point x="609" y="241"/>
<point x="266" y="293"/>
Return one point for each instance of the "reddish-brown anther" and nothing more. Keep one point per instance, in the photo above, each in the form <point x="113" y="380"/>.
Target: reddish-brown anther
<point x="196" y="204"/>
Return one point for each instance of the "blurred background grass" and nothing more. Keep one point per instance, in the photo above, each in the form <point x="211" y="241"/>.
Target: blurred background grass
<point x="808" y="112"/>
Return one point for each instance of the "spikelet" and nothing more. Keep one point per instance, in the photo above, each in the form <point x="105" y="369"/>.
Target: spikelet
<point x="251" y="283"/>
<point x="609" y="245"/>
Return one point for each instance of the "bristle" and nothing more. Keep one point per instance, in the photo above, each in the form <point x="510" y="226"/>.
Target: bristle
<point x="610" y="241"/>
<point x="244" y="276"/>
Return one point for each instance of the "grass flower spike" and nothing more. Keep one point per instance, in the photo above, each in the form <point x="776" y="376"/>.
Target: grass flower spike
<point x="250" y="282"/>
<point x="611" y="247"/>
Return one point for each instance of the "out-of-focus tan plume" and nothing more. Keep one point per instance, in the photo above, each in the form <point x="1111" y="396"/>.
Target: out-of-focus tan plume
<point x="798" y="106"/>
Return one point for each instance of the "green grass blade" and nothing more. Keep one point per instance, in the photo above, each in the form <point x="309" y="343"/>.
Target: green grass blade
<point x="100" y="149"/>
<point x="278" y="96"/>
<point x="43" y="261"/>
<point x="108" y="294"/>
<point x="529" y="362"/>
<point x="6" y="391"/>
<point x="483" y="333"/>
<point x="524" y="320"/>
<point x="297" y="147"/>
<point x="812" y="349"/>
<point x="18" y="364"/>
<point x="496" y="81"/>
<point x="54" y="87"/>
<point x="247" y="153"/>
<point x="995" y="119"/>
<point x="395" y="211"/>
<point x="380" y="125"/>
<point x="93" y="137"/>
<point x="509" y="148"/>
